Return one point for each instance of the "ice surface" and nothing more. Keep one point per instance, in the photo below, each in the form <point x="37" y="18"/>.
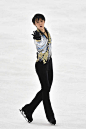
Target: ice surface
<point x="66" y="22"/>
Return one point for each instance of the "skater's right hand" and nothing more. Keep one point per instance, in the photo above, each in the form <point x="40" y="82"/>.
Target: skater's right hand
<point x="36" y="35"/>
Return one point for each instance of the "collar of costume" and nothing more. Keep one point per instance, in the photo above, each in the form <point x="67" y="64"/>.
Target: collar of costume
<point x="49" y="37"/>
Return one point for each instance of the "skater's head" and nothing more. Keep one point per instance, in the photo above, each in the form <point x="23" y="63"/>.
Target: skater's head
<point x="37" y="17"/>
<point x="39" y="20"/>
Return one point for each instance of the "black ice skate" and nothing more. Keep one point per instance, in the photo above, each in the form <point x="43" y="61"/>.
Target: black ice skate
<point x="28" y="117"/>
<point x="53" y="121"/>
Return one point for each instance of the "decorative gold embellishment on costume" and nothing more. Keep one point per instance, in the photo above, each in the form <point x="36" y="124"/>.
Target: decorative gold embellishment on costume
<point x="40" y="55"/>
<point x="44" y="56"/>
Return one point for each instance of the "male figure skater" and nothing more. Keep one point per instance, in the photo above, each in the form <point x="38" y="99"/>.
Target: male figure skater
<point x="44" y="70"/>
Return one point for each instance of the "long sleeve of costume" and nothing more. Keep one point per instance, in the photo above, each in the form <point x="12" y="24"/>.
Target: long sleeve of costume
<point x="41" y="45"/>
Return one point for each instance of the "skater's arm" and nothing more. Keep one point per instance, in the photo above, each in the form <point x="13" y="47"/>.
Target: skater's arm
<point x="41" y="44"/>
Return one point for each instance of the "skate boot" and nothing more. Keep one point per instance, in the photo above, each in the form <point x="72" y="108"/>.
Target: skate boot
<point x="27" y="115"/>
<point x="52" y="121"/>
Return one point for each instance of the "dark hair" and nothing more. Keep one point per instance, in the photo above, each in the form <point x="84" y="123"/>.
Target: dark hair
<point x="38" y="16"/>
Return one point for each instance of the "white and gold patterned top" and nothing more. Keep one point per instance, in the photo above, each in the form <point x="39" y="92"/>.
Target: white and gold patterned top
<point x="43" y="47"/>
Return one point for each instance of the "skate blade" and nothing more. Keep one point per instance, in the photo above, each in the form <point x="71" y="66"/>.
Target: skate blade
<point x="22" y="112"/>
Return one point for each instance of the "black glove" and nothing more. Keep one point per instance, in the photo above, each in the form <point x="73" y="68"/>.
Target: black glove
<point x="36" y="35"/>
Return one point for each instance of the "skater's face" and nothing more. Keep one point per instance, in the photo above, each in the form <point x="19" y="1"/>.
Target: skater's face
<point x="40" y="24"/>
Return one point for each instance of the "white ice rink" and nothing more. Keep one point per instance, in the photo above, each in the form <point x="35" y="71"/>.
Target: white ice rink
<point x="66" y="22"/>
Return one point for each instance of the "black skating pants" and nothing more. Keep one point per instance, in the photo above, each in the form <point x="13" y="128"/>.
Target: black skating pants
<point x="45" y="75"/>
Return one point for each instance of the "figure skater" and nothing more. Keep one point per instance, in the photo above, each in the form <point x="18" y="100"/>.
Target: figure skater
<point x="44" y="70"/>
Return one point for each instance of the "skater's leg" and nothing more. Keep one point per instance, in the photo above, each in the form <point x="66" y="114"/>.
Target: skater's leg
<point x="34" y="103"/>
<point x="50" y="72"/>
<point x="38" y="98"/>
<point x="28" y="109"/>
<point x="46" y="99"/>
<point x="47" y="106"/>
<point x="42" y="72"/>
<point x="46" y="82"/>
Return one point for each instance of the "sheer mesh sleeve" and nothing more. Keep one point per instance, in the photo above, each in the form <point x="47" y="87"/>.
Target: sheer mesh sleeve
<point x="41" y="44"/>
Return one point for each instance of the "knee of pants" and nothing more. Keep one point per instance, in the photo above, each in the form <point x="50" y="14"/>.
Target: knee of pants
<point x="45" y="92"/>
<point x="46" y="89"/>
<point x="45" y="95"/>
